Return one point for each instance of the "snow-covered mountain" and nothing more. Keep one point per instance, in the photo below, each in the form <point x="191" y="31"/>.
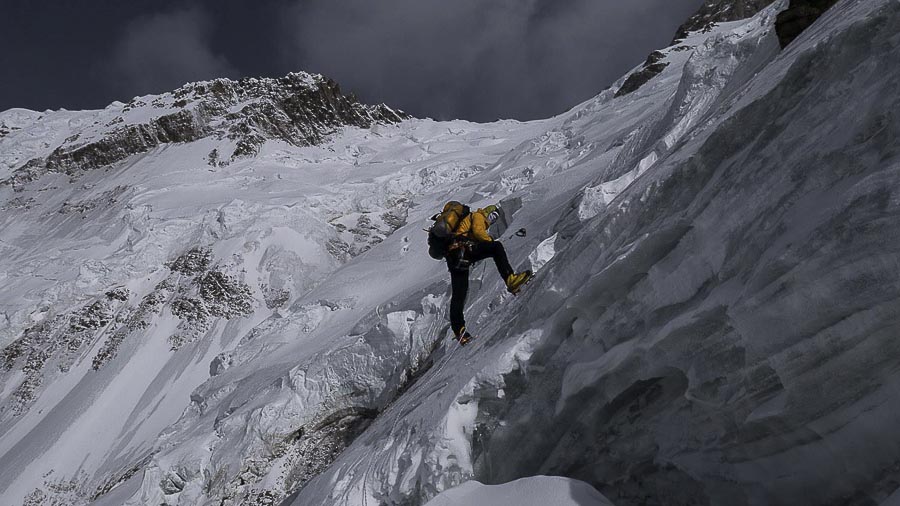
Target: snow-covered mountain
<point x="222" y="295"/>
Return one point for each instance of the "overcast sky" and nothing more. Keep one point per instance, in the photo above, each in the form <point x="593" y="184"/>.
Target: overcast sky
<point x="473" y="59"/>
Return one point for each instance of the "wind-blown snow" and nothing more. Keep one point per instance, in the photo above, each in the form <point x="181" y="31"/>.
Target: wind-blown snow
<point x="712" y="320"/>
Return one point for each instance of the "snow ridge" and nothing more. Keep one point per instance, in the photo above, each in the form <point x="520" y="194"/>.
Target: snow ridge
<point x="300" y="109"/>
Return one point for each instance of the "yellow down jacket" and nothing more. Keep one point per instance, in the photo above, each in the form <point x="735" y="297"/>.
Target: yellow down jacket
<point x="475" y="226"/>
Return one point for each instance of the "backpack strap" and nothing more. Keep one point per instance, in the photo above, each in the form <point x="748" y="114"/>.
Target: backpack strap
<point x="465" y="213"/>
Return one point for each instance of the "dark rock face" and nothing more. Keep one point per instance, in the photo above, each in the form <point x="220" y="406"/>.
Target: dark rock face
<point x="195" y="292"/>
<point x="126" y="141"/>
<point x="310" y="450"/>
<point x="652" y="67"/>
<point x="301" y="109"/>
<point x="209" y="295"/>
<point x="195" y="261"/>
<point x="53" y="346"/>
<point x="290" y="108"/>
<point x="717" y="11"/>
<point x="798" y="17"/>
<point x="5" y="130"/>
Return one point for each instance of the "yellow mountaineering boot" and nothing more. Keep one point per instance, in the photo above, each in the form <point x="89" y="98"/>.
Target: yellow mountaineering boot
<point x="515" y="281"/>
<point x="463" y="336"/>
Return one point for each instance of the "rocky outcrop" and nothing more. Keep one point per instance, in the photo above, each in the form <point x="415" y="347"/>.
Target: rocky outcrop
<point x="196" y="293"/>
<point x="300" y="109"/>
<point x="718" y="11"/>
<point x="652" y="67"/>
<point x="5" y="130"/>
<point x="60" y="341"/>
<point x="123" y="142"/>
<point x="210" y="295"/>
<point x="791" y="22"/>
<point x="798" y="17"/>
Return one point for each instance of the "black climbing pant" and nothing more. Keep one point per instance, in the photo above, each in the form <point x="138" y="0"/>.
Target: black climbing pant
<point x="459" y="277"/>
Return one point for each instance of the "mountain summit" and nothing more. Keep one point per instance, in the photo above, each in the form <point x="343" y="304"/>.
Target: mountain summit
<point x="300" y="109"/>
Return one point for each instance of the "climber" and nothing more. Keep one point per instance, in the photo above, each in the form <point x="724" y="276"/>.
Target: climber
<point x="461" y="237"/>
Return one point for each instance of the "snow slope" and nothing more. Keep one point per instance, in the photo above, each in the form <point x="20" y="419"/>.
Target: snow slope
<point x="273" y="226"/>
<point x="712" y="321"/>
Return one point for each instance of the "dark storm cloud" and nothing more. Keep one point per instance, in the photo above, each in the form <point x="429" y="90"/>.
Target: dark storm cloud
<point x="160" y="52"/>
<point x="474" y="58"/>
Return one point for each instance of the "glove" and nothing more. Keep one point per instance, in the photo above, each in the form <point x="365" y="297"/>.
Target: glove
<point x="492" y="212"/>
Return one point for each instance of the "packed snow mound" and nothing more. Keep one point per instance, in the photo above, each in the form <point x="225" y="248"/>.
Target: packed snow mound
<point x="534" y="491"/>
<point x="712" y="321"/>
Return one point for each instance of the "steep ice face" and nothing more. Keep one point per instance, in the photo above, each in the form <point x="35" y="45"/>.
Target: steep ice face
<point x="720" y="334"/>
<point x="713" y="65"/>
<point x="714" y="325"/>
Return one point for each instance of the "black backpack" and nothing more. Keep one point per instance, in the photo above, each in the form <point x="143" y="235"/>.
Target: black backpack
<point x="442" y="233"/>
